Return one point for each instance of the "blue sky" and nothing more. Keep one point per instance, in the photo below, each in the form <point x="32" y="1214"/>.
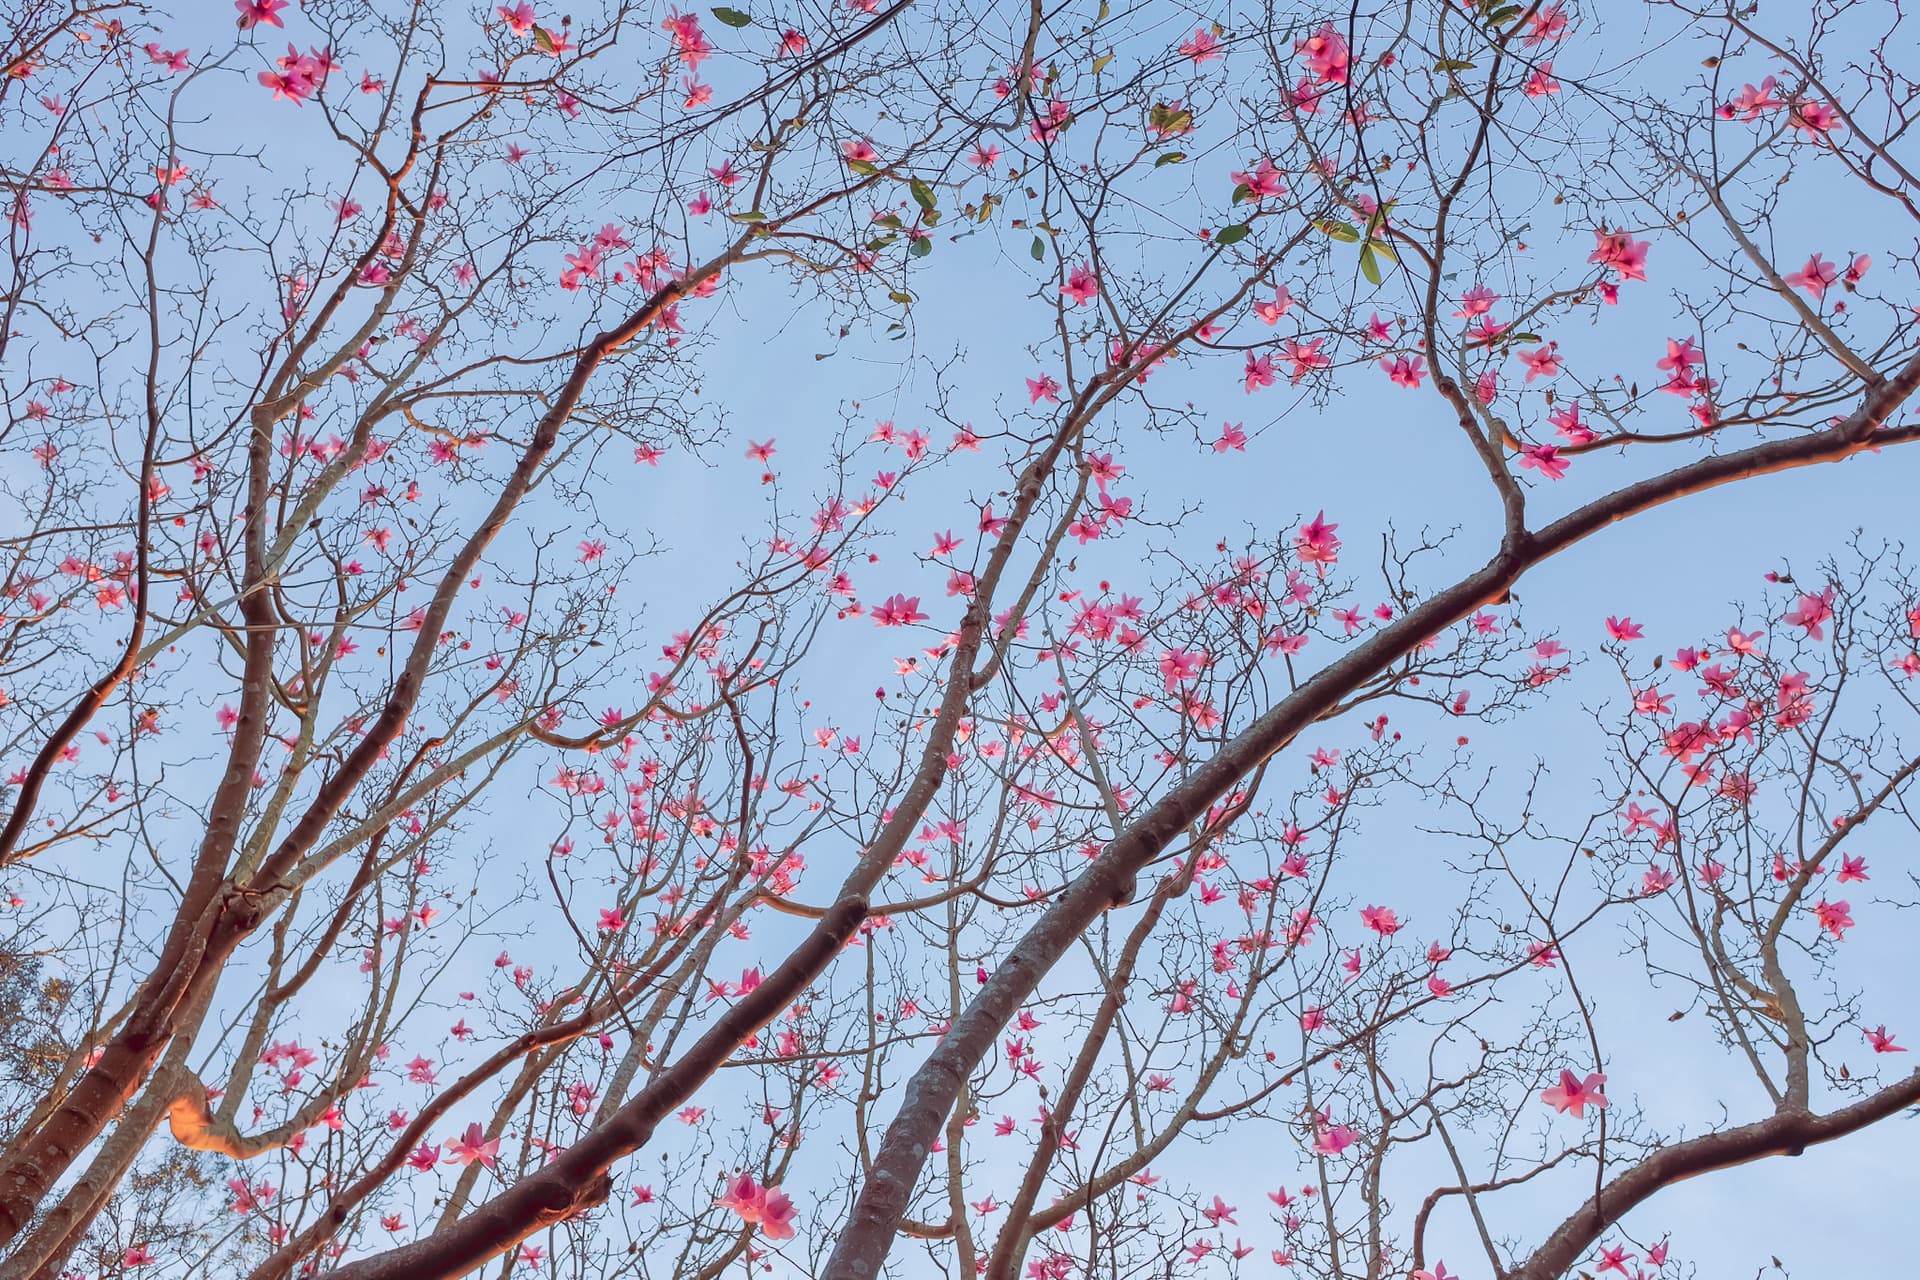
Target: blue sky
<point x="1371" y="456"/>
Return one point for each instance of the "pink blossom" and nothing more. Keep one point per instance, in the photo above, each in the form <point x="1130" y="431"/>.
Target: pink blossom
<point x="899" y="611"/>
<point x="1575" y="1095"/>
<point x="1814" y="277"/>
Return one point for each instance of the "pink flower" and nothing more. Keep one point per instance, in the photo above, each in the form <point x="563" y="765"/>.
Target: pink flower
<point x="1882" y="1042"/>
<point x="1544" y="458"/>
<point x="1082" y="284"/>
<point x="1201" y="46"/>
<point x="1751" y="101"/>
<point x="1179" y="666"/>
<point x="1305" y="357"/>
<point x="292" y="88"/>
<point x="1259" y="373"/>
<point x="688" y="39"/>
<point x="1574" y="1094"/>
<point x="254" y="12"/>
<point x="171" y="59"/>
<point x="1405" y="371"/>
<point x="1315" y="543"/>
<point x="1220" y="1211"/>
<point x="1331" y="1140"/>
<point x="1814" y="277"/>
<point x="1815" y="119"/>
<point x="1811" y="612"/>
<point x="1567" y="422"/>
<point x="1621" y="254"/>
<point x="899" y="611"/>
<point x="1262" y="181"/>
<point x="1542" y="362"/>
<point x="1270" y="312"/>
<point x="768" y="1207"/>
<point x="1381" y="920"/>
<point x="776" y="1215"/>
<point x="745" y="1197"/>
<point x="1327" y="55"/>
<point x="1050" y="122"/>
<point x="473" y="1147"/>
<point x="1477" y="301"/>
<point x="1549" y="22"/>
<point x="1835" y="917"/>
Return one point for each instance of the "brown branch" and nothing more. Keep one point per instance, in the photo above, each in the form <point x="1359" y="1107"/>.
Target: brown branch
<point x="1788" y="1133"/>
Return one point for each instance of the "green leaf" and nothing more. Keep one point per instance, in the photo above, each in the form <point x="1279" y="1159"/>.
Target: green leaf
<point x="1501" y="15"/>
<point x="1341" y="231"/>
<point x="1370" y="266"/>
<point x="1100" y="63"/>
<point x="866" y="168"/>
<point x="1038" y="250"/>
<point x="1166" y="120"/>
<point x="1233" y="234"/>
<point x="922" y="194"/>
<point x="1452" y="64"/>
<point x="879" y="243"/>
<point x="904" y="299"/>
<point x="751" y="215"/>
<point x="1171" y="157"/>
<point x="543" y="40"/>
<point x="1240" y="193"/>
<point x="922" y="247"/>
<point x="733" y="17"/>
<point x="1520" y="337"/>
<point x="1385" y="250"/>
